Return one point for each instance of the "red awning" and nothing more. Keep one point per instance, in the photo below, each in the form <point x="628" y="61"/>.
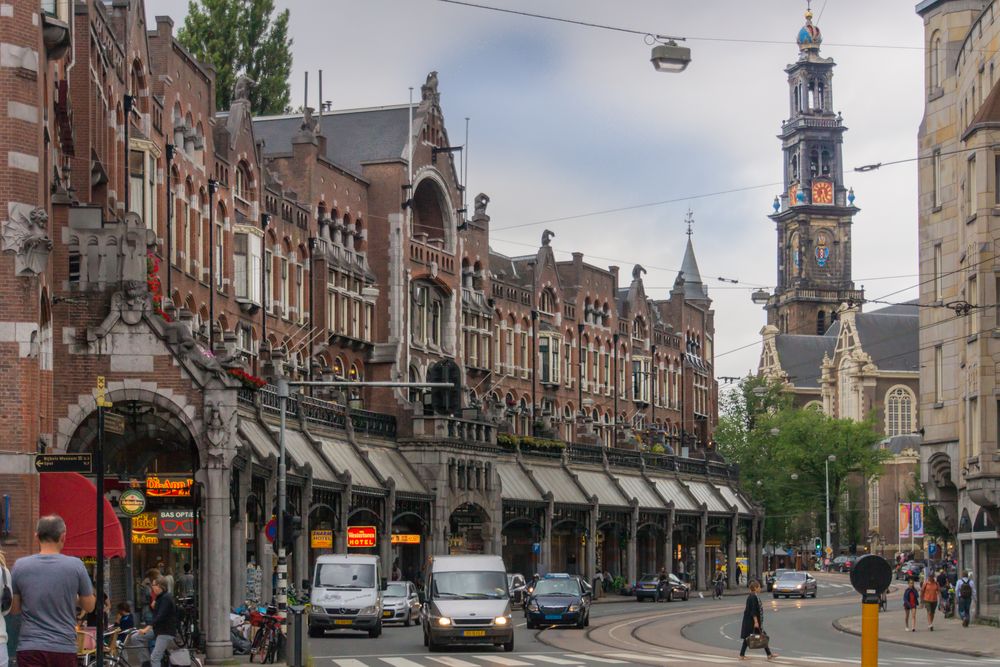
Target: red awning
<point x="73" y="497"/>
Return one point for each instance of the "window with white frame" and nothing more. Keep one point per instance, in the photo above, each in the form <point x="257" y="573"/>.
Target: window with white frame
<point x="873" y="503"/>
<point x="269" y="277"/>
<point x="899" y="412"/>
<point x="547" y="304"/>
<point x="242" y="185"/>
<point x="246" y="265"/>
<point x="549" y="346"/>
<point x="284" y="287"/>
<point x="640" y="379"/>
<point x="220" y="255"/>
<point x="300" y="291"/>
<point x="425" y="316"/>
<point x="142" y="181"/>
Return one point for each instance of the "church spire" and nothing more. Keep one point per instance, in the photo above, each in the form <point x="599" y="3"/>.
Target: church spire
<point x="689" y="275"/>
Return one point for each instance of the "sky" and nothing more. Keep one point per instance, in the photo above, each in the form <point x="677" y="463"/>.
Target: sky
<point x="567" y="120"/>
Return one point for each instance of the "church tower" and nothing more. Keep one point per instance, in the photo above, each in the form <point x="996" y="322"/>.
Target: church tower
<point x="813" y="215"/>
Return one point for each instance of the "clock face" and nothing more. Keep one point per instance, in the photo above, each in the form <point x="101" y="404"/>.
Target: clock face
<point x="822" y="192"/>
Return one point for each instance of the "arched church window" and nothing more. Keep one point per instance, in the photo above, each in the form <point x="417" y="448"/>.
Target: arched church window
<point x="935" y="63"/>
<point x="795" y="167"/>
<point x="820" y="96"/>
<point x="813" y="162"/>
<point x="825" y="161"/>
<point x="898" y="411"/>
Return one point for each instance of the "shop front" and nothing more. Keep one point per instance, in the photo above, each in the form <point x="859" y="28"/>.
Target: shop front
<point x="468" y="528"/>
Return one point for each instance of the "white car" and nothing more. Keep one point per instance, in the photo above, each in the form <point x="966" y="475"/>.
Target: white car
<point x="400" y="603"/>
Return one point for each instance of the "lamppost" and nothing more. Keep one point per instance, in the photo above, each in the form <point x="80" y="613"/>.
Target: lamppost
<point x="829" y="459"/>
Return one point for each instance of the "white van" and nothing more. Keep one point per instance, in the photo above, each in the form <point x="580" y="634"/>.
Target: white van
<point x="467" y="601"/>
<point x="346" y="594"/>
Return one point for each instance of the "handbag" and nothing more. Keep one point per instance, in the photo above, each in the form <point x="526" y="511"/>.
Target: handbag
<point x="758" y="640"/>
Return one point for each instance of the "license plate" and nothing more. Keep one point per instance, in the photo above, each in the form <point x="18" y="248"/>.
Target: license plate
<point x="342" y="621"/>
<point x="474" y="633"/>
<point x="386" y="614"/>
<point x="553" y="617"/>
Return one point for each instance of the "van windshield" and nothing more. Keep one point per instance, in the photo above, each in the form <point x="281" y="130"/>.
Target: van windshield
<point x="345" y="575"/>
<point x="470" y="585"/>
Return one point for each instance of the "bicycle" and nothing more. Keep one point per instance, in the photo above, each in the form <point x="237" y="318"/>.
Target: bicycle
<point x="268" y="639"/>
<point x="188" y="633"/>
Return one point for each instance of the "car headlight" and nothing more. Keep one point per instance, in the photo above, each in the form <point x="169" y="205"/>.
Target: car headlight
<point x="500" y="620"/>
<point x="368" y="611"/>
<point x="574" y="607"/>
<point x="532" y="606"/>
<point x="444" y="620"/>
<point x="800" y="586"/>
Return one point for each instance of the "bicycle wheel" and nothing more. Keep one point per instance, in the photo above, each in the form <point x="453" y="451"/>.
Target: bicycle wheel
<point x="263" y="647"/>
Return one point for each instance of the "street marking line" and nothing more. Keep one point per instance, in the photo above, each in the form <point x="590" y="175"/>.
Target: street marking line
<point x="401" y="662"/>
<point x="643" y="656"/>
<point x="580" y="656"/>
<point x="554" y="661"/>
<point x="454" y="662"/>
<point x="503" y="661"/>
<point x="350" y="662"/>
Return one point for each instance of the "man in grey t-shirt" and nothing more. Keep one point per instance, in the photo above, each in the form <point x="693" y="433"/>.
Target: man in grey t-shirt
<point x="48" y="587"/>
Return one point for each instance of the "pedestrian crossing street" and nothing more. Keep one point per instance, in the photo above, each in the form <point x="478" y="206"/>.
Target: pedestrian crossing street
<point x="664" y="657"/>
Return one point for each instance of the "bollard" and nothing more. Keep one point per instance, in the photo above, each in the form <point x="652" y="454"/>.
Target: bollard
<point x="296" y="654"/>
<point x="870" y="576"/>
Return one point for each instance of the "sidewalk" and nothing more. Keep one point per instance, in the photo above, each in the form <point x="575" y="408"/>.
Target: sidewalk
<point x="948" y="635"/>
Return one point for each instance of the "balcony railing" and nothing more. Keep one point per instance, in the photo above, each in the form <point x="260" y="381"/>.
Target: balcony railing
<point x="441" y="427"/>
<point x="320" y="412"/>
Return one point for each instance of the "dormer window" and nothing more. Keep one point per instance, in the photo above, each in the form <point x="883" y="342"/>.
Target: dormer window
<point x="242" y="189"/>
<point x="547" y="304"/>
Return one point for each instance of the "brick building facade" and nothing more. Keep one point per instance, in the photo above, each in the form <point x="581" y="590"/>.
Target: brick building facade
<point x="171" y="249"/>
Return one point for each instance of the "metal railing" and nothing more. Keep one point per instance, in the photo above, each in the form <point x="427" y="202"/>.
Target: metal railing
<point x="320" y="412"/>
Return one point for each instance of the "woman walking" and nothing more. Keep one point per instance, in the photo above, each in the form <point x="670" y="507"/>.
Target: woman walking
<point x="929" y="593"/>
<point x="753" y="622"/>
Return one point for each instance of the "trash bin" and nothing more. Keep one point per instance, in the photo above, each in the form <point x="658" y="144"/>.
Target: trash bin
<point x="295" y="654"/>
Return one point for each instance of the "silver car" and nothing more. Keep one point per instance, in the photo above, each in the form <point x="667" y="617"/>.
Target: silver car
<point x="400" y="603"/>
<point x="799" y="584"/>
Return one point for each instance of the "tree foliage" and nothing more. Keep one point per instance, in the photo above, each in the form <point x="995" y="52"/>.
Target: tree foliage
<point x="242" y="37"/>
<point x="782" y="452"/>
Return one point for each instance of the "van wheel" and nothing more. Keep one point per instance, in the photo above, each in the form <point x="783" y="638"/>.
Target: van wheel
<point x="376" y="631"/>
<point x="509" y="646"/>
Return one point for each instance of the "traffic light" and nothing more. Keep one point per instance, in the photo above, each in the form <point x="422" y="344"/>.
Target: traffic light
<point x="819" y="545"/>
<point x="446" y="400"/>
<point x="291" y="528"/>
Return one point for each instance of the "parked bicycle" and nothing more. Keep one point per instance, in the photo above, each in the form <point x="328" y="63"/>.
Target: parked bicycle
<point x="188" y="632"/>
<point x="267" y="640"/>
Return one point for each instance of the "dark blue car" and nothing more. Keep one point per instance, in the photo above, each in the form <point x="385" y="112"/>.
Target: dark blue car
<point x="558" y="599"/>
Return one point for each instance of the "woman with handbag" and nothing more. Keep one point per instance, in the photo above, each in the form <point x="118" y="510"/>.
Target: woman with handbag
<point x="752" y="631"/>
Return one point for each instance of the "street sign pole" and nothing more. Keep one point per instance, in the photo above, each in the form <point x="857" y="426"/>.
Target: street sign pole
<point x="102" y="403"/>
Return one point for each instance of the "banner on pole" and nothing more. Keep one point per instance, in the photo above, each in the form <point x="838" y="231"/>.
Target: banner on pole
<point x="904" y="519"/>
<point x="917" y="519"/>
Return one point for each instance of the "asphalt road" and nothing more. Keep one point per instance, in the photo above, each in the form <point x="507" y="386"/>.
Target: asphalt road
<point x="701" y="631"/>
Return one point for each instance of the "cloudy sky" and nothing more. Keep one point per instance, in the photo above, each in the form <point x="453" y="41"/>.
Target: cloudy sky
<point x="568" y="120"/>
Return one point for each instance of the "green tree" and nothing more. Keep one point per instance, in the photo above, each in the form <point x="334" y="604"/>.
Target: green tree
<point x="242" y="37"/>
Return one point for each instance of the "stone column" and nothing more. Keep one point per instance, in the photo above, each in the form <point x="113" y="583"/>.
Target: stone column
<point x="346" y="498"/>
<point x="591" y="564"/>
<point x="668" y="542"/>
<point x="385" y="543"/>
<point x="218" y="644"/>
<point x="630" y="550"/>
<point x="734" y="524"/>
<point x="545" y="557"/>
<point x="699" y="565"/>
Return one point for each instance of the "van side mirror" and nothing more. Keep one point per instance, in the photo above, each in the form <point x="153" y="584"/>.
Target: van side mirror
<point x="385" y="584"/>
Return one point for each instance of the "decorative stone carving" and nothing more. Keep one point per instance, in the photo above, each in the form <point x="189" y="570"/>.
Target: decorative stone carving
<point x="429" y="91"/>
<point x="547" y="237"/>
<point x="482" y="201"/>
<point x="220" y="425"/>
<point x="309" y="124"/>
<point x="25" y="233"/>
<point x="244" y="84"/>
<point x="637" y="272"/>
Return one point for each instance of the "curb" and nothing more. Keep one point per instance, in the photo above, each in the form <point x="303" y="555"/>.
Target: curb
<point x="976" y="654"/>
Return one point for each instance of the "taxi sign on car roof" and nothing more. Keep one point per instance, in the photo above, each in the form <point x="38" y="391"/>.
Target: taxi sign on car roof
<point x="557" y="575"/>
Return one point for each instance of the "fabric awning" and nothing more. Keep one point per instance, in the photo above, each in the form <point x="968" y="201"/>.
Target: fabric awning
<point x="558" y="481"/>
<point x="603" y="487"/>
<point x="671" y="489"/>
<point x="391" y="463"/>
<point x="302" y="452"/>
<point x="639" y="488"/>
<point x="74" y="497"/>
<point x="261" y="446"/>
<point x="705" y="493"/>
<point x="733" y="498"/>
<point x="514" y="483"/>
<point x="345" y="458"/>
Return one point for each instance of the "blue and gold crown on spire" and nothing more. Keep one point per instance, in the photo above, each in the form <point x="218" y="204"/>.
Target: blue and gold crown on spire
<point x="809" y="37"/>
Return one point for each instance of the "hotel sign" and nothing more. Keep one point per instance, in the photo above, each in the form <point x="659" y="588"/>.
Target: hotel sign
<point x="361" y="537"/>
<point x="161" y="487"/>
<point x="145" y="528"/>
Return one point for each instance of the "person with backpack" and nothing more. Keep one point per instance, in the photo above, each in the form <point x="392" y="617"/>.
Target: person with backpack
<point x="6" y="600"/>
<point x="965" y="591"/>
<point x="911" y="600"/>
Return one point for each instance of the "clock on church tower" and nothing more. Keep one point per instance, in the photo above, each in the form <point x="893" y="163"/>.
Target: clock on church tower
<point x="813" y="229"/>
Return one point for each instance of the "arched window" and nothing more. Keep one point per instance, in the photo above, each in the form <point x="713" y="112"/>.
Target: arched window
<point x="899" y="411"/>
<point x="845" y="390"/>
<point x="820" y="323"/>
<point x="547" y="304"/>
<point x="243" y="189"/>
<point x="935" y="64"/>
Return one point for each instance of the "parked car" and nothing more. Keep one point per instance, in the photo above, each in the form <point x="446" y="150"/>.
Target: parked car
<point x="400" y="603"/>
<point x="559" y="599"/>
<point x="773" y="576"/>
<point x="518" y="588"/>
<point x="800" y="584"/>
<point x="650" y="587"/>
<point x="910" y="570"/>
